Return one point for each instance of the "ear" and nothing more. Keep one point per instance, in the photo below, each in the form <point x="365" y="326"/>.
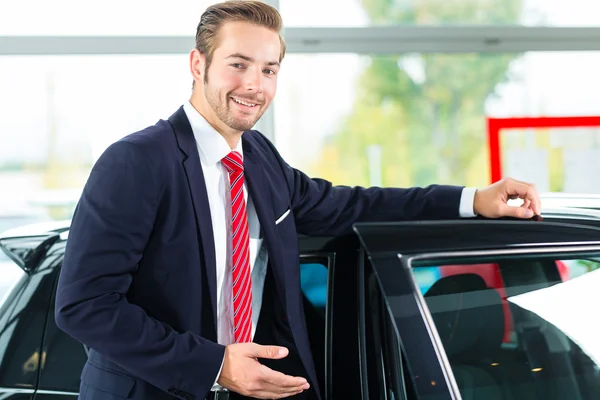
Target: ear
<point x="197" y="63"/>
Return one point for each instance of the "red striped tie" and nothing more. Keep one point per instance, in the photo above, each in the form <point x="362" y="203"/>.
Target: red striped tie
<point x="240" y="253"/>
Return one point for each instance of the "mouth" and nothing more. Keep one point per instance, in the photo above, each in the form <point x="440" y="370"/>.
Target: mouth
<point x="244" y="104"/>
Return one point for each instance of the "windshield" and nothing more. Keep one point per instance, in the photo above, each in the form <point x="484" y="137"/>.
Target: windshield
<point x="518" y="328"/>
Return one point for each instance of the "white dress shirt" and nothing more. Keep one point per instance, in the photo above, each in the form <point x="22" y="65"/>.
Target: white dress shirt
<point x="212" y="147"/>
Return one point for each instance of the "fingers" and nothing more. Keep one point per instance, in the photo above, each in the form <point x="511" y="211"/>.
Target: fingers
<point x="244" y="374"/>
<point x="527" y="192"/>
<point x="269" y="395"/>
<point x="275" y="385"/>
<point x="278" y="379"/>
<point x="272" y="352"/>
<point x="516" y="212"/>
<point x="274" y="392"/>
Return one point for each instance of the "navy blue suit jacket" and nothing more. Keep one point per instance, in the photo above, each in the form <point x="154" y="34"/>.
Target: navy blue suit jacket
<point x="138" y="282"/>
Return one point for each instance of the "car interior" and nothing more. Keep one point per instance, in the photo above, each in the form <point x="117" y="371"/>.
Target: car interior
<point x="538" y="362"/>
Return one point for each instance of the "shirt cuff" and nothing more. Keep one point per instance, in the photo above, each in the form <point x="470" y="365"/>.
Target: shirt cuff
<point x="216" y="386"/>
<point x="467" y="201"/>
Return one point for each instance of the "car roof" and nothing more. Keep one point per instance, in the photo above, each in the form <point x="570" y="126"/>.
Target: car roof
<point x="588" y="202"/>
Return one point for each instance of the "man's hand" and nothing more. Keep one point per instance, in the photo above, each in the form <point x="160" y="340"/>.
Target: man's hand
<point x="491" y="202"/>
<point x="243" y="374"/>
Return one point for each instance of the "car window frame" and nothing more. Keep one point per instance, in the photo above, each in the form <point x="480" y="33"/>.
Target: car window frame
<point x="424" y="358"/>
<point x="342" y="371"/>
<point x="369" y="287"/>
<point x="327" y="260"/>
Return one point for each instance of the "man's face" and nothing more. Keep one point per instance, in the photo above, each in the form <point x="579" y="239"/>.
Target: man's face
<point x="241" y="81"/>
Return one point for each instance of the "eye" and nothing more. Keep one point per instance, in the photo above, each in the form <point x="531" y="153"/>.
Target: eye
<point x="269" y="71"/>
<point x="238" y="65"/>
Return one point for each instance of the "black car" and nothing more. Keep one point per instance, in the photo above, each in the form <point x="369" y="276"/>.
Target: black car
<point x="471" y="309"/>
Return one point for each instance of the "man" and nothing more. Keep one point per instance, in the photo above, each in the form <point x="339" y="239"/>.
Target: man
<point x="183" y="255"/>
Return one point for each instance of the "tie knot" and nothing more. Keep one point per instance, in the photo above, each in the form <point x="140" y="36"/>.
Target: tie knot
<point x="233" y="162"/>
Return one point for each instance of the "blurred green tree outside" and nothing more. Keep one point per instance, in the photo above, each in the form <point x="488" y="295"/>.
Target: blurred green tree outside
<point x="426" y="112"/>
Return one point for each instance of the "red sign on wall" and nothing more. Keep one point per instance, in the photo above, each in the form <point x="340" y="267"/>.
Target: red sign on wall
<point x="496" y="125"/>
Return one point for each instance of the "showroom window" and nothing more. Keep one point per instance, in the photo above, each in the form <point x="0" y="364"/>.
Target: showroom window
<point x="359" y="13"/>
<point x="371" y="92"/>
<point x="100" y="18"/>
<point x="63" y="111"/>
<point x="417" y="119"/>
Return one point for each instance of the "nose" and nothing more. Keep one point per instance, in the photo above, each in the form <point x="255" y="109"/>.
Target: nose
<point x="253" y="80"/>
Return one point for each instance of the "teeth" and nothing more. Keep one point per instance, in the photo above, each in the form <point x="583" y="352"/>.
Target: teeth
<point x="243" y="102"/>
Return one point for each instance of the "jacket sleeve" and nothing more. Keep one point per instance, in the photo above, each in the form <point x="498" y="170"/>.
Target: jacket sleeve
<point x="109" y="232"/>
<point x="321" y="208"/>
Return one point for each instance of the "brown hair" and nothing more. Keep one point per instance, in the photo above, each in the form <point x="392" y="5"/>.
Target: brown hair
<point x="252" y="11"/>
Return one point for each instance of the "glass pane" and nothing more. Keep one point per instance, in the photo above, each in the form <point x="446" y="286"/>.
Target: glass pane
<point x="520" y="327"/>
<point x="417" y="119"/>
<point x="313" y="280"/>
<point x="59" y="114"/>
<point x="22" y="322"/>
<point x="357" y="13"/>
<point x="65" y="357"/>
<point x="108" y="17"/>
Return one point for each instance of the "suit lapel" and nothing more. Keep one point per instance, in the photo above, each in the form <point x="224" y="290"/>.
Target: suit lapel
<point x="260" y="192"/>
<point x="197" y="185"/>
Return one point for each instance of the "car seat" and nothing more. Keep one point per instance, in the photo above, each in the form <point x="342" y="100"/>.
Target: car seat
<point x="545" y="349"/>
<point x="470" y="322"/>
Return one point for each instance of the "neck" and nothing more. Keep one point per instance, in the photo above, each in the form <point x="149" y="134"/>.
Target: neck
<point x="231" y="136"/>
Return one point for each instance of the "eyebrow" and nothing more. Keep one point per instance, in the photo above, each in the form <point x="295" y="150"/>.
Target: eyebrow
<point x="250" y="59"/>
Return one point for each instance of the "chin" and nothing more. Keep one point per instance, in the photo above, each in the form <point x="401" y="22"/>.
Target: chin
<point x="243" y="124"/>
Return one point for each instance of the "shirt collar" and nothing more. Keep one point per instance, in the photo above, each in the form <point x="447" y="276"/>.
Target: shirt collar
<point x="212" y="147"/>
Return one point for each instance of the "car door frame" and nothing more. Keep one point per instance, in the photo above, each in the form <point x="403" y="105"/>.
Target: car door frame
<point x="346" y="372"/>
<point x="393" y="247"/>
<point x="342" y="369"/>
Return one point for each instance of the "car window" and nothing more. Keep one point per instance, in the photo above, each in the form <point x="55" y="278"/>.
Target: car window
<point x="22" y="319"/>
<point x="65" y="358"/>
<point x="518" y="327"/>
<point x="313" y="282"/>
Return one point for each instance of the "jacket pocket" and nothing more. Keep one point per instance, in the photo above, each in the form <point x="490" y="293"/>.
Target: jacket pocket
<point x="283" y="216"/>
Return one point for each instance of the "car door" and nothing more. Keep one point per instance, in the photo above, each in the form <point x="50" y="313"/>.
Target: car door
<point x="491" y="309"/>
<point x="352" y="336"/>
<point x="328" y="276"/>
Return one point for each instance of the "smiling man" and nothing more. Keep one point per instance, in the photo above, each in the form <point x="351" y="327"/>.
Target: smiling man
<point x="181" y="271"/>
